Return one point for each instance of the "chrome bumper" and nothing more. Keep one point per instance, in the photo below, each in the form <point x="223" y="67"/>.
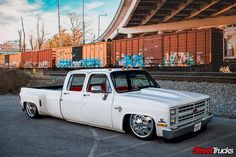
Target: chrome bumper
<point x="169" y="133"/>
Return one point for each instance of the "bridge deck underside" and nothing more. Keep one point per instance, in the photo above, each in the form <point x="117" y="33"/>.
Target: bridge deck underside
<point x="150" y="12"/>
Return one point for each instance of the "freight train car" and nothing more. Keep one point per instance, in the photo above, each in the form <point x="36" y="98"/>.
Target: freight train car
<point x="193" y="48"/>
<point x="184" y="48"/>
<point x="10" y="60"/>
<point x="37" y="59"/>
<point x="148" y="48"/>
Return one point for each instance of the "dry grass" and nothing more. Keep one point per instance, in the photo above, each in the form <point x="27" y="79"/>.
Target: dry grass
<point x="12" y="80"/>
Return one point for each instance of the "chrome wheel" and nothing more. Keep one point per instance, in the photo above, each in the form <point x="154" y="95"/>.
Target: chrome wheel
<point x="31" y="110"/>
<point x="142" y="126"/>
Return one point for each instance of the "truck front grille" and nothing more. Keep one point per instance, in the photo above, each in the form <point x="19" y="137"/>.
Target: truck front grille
<point x="191" y="112"/>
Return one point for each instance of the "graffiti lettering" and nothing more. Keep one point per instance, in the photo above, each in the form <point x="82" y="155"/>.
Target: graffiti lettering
<point x="91" y="62"/>
<point x="131" y="60"/>
<point x="179" y="59"/>
<point x="148" y="60"/>
<point x="44" y="64"/>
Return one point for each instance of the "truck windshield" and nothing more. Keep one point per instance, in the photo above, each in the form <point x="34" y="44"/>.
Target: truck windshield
<point x="125" y="81"/>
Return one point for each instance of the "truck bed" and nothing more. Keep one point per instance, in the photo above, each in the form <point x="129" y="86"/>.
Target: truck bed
<point x="58" y="88"/>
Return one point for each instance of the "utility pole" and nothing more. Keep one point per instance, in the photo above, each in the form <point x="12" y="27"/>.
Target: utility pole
<point x="83" y="25"/>
<point x="99" y="17"/>
<point x="59" y="24"/>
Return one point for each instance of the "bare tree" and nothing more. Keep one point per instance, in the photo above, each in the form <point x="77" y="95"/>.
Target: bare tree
<point x="76" y="28"/>
<point x="40" y="33"/>
<point x="31" y="41"/>
<point x="23" y="31"/>
<point x="20" y="39"/>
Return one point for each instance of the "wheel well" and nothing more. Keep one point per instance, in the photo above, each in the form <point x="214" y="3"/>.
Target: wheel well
<point x="126" y="122"/>
<point x="24" y="105"/>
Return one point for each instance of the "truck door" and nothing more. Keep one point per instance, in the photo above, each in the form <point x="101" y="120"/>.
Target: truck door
<point x="72" y="95"/>
<point x="97" y="101"/>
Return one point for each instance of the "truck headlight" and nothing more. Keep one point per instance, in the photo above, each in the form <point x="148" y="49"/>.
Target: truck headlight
<point x="173" y="120"/>
<point x="173" y="115"/>
<point x="173" y="112"/>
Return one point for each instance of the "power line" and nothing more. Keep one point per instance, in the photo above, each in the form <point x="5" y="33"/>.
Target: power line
<point x="83" y="25"/>
<point x="59" y="24"/>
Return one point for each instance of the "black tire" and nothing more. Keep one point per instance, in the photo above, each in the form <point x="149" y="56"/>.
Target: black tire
<point x="204" y="128"/>
<point x="31" y="110"/>
<point x="142" y="126"/>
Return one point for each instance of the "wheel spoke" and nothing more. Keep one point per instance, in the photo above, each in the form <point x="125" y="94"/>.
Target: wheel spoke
<point x="141" y="125"/>
<point x="31" y="109"/>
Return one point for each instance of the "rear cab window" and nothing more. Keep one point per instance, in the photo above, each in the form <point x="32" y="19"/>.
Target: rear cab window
<point x="76" y="82"/>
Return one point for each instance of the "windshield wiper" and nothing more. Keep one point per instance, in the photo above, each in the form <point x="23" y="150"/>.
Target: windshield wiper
<point x="146" y="87"/>
<point x="141" y="87"/>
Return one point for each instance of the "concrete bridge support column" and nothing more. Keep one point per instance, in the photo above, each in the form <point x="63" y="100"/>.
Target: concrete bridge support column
<point x="130" y="35"/>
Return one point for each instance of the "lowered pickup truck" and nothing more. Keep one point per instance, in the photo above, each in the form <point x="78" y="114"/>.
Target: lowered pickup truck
<point x="120" y="100"/>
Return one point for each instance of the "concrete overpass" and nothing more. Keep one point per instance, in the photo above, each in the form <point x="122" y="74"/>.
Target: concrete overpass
<point x="143" y="17"/>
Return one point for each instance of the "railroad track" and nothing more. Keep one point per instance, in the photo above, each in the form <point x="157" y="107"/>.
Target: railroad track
<point x="179" y="76"/>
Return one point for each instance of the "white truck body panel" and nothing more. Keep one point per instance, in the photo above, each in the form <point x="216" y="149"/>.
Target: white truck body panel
<point x="90" y="108"/>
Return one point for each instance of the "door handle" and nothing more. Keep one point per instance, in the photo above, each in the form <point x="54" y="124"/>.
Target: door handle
<point x="119" y="108"/>
<point x="104" y="97"/>
<point x="86" y="94"/>
<point x="66" y="93"/>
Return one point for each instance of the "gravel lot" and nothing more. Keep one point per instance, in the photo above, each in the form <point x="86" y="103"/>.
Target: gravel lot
<point x="47" y="136"/>
<point x="223" y="95"/>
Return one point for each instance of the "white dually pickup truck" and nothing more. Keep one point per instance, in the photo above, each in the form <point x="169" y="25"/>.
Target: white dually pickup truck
<point x="121" y="100"/>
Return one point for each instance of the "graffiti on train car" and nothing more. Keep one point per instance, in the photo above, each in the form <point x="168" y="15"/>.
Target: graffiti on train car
<point x="43" y="64"/>
<point x="64" y="63"/>
<point x="148" y="60"/>
<point x="29" y="64"/>
<point x="14" y="64"/>
<point x="170" y="59"/>
<point x="131" y="60"/>
<point x="180" y="59"/>
<point x="89" y="62"/>
<point x="92" y="62"/>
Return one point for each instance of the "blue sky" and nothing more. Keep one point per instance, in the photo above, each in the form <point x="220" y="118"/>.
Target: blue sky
<point x="104" y="6"/>
<point x="12" y="10"/>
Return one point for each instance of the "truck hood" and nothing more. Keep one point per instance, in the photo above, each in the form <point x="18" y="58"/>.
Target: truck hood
<point x="165" y="96"/>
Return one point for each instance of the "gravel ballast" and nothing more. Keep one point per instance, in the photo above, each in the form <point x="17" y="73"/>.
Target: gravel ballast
<point x="223" y="95"/>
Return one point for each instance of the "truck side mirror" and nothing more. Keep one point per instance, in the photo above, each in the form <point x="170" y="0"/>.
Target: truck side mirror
<point x="96" y="89"/>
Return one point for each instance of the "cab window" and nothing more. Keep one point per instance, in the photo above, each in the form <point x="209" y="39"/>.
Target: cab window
<point x="120" y="82"/>
<point x="76" y="82"/>
<point x="99" y="80"/>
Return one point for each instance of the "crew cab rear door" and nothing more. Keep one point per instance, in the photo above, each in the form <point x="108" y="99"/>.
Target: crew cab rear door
<point x="97" y="104"/>
<point x="72" y="95"/>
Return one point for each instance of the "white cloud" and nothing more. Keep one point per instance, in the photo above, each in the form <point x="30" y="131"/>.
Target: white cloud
<point x="10" y="13"/>
<point x="93" y="5"/>
<point x="12" y="10"/>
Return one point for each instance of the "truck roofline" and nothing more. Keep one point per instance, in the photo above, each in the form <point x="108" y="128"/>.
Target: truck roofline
<point x="105" y="70"/>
